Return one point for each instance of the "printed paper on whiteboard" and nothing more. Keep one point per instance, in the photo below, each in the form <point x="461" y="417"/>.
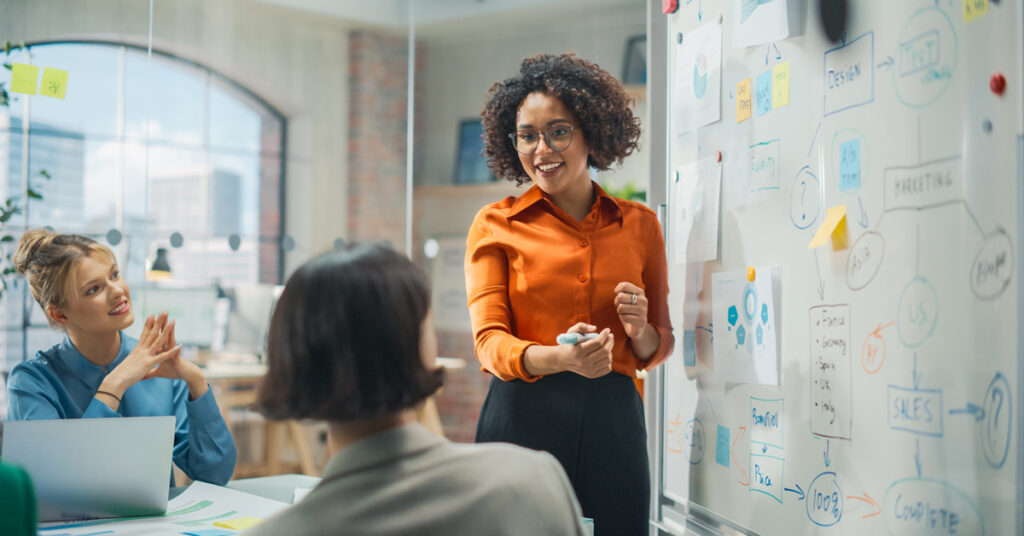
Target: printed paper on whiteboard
<point x="697" y="86"/>
<point x="696" y="189"/>
<point x="745" y="327"/>
<point x="756" y="22"/>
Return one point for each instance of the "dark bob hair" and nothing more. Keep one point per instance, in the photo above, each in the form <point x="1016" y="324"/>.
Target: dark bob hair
<point x="594" y="96"/>
<point x="344" y="339"/>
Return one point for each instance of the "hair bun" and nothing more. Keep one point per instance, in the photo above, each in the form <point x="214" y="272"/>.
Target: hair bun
<point x="30" y="243"/>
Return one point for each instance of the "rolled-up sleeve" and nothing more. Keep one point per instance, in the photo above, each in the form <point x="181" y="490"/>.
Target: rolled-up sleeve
<point x="203" y="446"/>
<point x="656" y="287"/>
<point x="499" y="351"/>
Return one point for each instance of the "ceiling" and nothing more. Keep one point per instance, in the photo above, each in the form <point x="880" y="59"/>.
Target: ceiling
<point x="438" y="13"/>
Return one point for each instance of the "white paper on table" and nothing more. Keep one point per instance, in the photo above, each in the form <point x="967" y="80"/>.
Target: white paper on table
<point x="196" y="508"/>
<point x="696" y="96"/>
<point x="696" y="190"/>
<point x="299" y="494"/>
<point x="756" y="22"/>
<point x="744" y="316"/>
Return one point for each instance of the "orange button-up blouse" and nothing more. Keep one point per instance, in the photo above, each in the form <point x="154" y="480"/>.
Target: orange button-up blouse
<point x="533" y="271"/>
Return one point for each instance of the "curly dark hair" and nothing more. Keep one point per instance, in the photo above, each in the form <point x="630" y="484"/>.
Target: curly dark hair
<point x="594" y="96"/>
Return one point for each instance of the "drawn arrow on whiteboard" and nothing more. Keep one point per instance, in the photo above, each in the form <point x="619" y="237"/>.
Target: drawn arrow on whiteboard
<point x="917" y="458"/>
<point x="867" y="498"/>
<point x="863" y="220"/>
<point x="887" y="63"/>
<point x="745" y="481"/>
<point x="827" y="460"/>
<point x="974" y="409"/>
<point x="799" y="492"/>
<point x="821" y="282"/>
<point x="917" y="376"/>
<point x="764" y="448"/>
<point x="768" y="54"/>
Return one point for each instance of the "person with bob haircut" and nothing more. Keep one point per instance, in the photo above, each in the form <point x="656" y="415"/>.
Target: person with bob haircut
<point x="99" y="372"/>
<point x="352" y="342"/>
<point x="567" y="257"/>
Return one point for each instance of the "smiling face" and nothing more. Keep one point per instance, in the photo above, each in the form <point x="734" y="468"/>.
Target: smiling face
<point x="99" y="299"/>
<point x="557" y="173"/>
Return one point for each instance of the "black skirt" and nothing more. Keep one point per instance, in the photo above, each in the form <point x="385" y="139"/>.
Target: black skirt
<point x="594" y="427"/>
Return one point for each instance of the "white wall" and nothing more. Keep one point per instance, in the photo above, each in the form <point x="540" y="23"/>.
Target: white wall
<point x="295" y="61"/>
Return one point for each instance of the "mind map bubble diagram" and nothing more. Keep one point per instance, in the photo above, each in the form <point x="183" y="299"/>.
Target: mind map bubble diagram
<point x="804" y="199"/>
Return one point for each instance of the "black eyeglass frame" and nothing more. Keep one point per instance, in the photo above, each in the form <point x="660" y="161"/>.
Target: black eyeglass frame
<point x="547" y="140"/>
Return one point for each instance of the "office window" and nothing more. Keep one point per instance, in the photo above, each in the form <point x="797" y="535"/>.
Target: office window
<point x="150" y="148"/>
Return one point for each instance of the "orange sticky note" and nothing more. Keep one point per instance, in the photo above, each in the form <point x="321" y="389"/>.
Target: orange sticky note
<point x="833" y="227"/>
<point x="24" y="78"/>
<point x="743" y="100"/>
<point x="780" y="85"/>
<point x="241" y="523"/>
<point x="55" y="83"/>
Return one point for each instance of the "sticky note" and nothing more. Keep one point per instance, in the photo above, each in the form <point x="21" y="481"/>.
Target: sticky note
<point x="55" y="83"/>
<point x="834" y="227"/>
<point x="780" y="85"/>
<point x="743" y="101"/>
<point x="689" y="348"/>
<point x="763" y="93"/>
<point x="722" y="446"/>
<point x="208" y="532"/>
<point x="974" y="9"/>
<point x="849" y="165"/>
<point x="24" y="78"/>
<point x="241" y="523"/>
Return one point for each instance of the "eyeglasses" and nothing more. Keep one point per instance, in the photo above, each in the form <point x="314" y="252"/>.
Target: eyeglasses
<point x="557" y="137"/>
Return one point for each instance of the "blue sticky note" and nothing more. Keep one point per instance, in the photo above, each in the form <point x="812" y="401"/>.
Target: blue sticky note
<point x="763" y="95"/>
<point x="689" y="348"/>
<point x="849" y="165"/>
<point x="209" y="532"/>
<point x="722" y="446"/>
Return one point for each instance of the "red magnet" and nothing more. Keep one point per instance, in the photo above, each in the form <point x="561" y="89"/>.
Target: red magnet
<point x="997" y="84"/>
<point x="669" y="6"/>
<point x="718" y="158"/>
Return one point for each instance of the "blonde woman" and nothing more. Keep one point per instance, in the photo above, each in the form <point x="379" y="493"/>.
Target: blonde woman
<point x="99" y="372"/>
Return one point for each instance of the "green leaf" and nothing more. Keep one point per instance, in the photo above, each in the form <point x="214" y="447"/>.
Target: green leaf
<point x="44" y="173"/>
<point x="7" y="238"/>
<point x="33" y="194"/>
<point x="7" y="47"/>
<point x="10" y="270"/>
<point x="8" y="66"/>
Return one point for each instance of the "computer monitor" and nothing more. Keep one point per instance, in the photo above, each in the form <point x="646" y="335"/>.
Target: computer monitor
<point x="192" y="309"/>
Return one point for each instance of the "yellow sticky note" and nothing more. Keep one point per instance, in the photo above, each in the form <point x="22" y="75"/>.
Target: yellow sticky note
<point x="241" y="523"/>
<point x="780" y="85"/>
<point x="743" y="100"/>
<point x="834" y="227"/>
<point x="974" y="9"/>
<point x="55" y="83"/>
<point x="24" y="78"/>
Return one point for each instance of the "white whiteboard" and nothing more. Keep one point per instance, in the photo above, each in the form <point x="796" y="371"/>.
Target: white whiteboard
<point x="898" y="404"/>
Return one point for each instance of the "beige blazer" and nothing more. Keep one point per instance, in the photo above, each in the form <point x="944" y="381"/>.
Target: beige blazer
<point x="409" y="481"/>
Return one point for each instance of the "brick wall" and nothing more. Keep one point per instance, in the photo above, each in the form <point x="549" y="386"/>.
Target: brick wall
<point x="378" y="67"/>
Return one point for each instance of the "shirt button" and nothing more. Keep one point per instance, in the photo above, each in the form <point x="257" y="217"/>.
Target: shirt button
<point x="584" y="243"/>
<point x="582" y="278"/>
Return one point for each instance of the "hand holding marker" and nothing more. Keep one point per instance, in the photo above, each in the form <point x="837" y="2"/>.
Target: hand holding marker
<point x="574" y="338"/>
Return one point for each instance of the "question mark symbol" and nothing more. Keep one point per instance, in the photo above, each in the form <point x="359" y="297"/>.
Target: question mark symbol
<point x="803" y="193"/>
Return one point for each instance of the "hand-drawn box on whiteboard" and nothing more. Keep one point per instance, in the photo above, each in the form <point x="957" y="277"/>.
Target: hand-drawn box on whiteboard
<point x="850" y="74"/>
<point x="766" y="421"/>
<point x="915" y="410"/>
<point x="926" y="185"/>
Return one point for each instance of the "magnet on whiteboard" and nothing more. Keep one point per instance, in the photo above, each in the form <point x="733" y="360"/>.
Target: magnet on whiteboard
<point x="720" y="18"/>
<point x="718" y="156"/>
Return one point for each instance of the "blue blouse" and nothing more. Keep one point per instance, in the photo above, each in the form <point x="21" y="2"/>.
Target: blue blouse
<point x="60" y="383"/>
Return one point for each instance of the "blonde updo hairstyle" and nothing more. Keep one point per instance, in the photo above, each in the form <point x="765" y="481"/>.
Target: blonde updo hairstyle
<point x="48" y="261"/>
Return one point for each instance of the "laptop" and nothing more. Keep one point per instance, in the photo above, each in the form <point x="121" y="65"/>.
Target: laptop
<point x="94" y="468"/>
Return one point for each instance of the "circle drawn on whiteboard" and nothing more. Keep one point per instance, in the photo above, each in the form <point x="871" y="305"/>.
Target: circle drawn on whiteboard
<point x="177" y="240"/>
<point x="926" y="58"/>
<point x="917" y="313"/>
<point x="804" y="201"/>
<point x="114" y="237"/>
<point x="234" y="242"/>
<point x="997" y="428"/>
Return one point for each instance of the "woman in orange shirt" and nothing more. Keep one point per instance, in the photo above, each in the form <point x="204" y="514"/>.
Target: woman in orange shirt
<point x="566" y="257"/>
